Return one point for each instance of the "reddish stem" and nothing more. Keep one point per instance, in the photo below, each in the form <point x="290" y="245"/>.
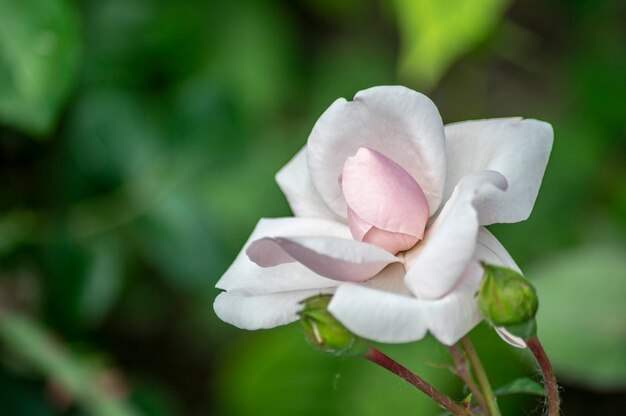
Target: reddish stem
<point x="549" y="379"/>
<point x="462" y="370"/>
<point x="377" y="357"/>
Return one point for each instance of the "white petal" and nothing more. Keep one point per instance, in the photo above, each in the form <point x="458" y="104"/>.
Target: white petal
<point x="390" y="279"/>
<point x="247" y="311"/>
<point x="243" y="274"/>
<point x="377" y="315"/>
<point x="435" y="264"/>
<point x="336" y="258"/>
<point x="396" y="318"/>
<point x="402" y="124"/>
<point x="453" y="316"/>
<point x="517" y="148"/>
<point x="491" y="251"/>
<point x="295" y="182"/>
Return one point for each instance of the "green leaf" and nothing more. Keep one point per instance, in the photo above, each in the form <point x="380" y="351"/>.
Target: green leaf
<point x="434" y="33"/>
<point x="39" y="58"/>
<point x="581" y="319"/>
<point x="523" y="385"/>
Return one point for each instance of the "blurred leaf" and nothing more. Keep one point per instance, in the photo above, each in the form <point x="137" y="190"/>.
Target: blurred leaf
<point x="206" y="123"/>
<point x="276" y="373"/>
<point x="581" y="314"/>
<point x="434" y="33"/>
<point x="82" y="380"/>
<point x="595" y="69"/>
<point x="103" y="280"/>
<point x="237" y="198"/>
<point x="39" y="58"/>
<point x="345" y="67"/>
<point x="82" y="280"/>
<point x="523" y="385"/>
<point x="177" y="238"/>
<point x="253" y="55"/>
<point x="145" y="44"/>
<point x="280" y="374"/>
<point x="112" y="137"/>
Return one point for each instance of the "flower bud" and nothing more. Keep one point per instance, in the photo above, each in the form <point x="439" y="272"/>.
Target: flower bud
<point x="325" y="332"/>
<point x="506" y="298"/>
<point x="386" y="206"/>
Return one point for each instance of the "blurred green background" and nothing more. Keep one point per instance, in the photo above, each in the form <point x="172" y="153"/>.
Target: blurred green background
<point x="138" y="144"/>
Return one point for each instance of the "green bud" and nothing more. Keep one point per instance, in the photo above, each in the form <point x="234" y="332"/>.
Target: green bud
<point x="323" y="331"/>
<point x="506" y="298"/>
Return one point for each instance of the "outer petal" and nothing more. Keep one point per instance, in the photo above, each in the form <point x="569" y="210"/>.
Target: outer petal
<point x="390" y="279"/>
<point x="402" y="124"/>
<point x="377" y="315"/>
<point x="245" y="275"/>
<point x="517" y="148"/>
<point x="490" y="250"/>
<point x="247" y="311"/>
<point x="435" y="265"/>
<point x="394" y="317"/>
<point x="336" y="258"/>
<point x="295" y="182"/>
<point x="454" y="315"/>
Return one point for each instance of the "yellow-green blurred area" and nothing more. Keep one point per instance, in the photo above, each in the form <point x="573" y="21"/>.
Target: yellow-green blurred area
<point x="138" y="144"/>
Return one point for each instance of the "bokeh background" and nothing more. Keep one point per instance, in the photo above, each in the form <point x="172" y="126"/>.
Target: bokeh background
<point x="138" y="144"/>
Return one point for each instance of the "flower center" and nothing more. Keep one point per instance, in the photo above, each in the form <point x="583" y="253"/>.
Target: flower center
<point x="386" y="206"/>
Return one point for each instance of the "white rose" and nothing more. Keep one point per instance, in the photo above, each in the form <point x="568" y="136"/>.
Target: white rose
<point x="390" y="208"/>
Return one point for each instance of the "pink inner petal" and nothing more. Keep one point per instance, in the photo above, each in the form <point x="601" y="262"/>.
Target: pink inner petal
<point x="392" y="242"/>
<point x="380" y="194"/>
<point x="358" y="227"/>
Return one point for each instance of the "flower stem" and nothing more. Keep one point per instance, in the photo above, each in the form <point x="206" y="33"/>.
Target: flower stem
<point x="549" y="380"/>
<point x="377" y="357"/>
<point x="462" y="371"/>
<point x="481" y="375"/>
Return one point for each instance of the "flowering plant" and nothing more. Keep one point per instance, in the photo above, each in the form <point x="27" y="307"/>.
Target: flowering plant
<point x="390" y="212"/>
